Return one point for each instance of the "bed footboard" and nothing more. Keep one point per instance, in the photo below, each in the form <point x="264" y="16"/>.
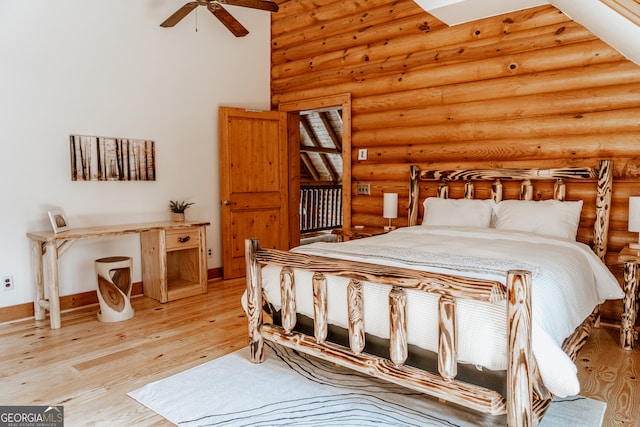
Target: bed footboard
<point x="518" y="405"/>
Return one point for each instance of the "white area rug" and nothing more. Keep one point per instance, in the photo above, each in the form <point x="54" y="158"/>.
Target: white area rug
<point x="292" y="389"/>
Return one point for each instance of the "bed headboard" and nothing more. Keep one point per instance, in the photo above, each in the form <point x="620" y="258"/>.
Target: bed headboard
<point x="603" y="173"/>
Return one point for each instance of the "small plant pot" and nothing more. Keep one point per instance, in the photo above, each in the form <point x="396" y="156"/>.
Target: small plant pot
<point x="177" y="217"/>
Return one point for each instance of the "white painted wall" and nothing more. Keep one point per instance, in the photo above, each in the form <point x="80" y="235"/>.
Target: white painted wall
<point x="454" y="12"/>
<point x="606" y="23"/>
<point x="106" y="68"/>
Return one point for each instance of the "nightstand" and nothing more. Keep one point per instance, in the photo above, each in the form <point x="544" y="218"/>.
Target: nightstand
<point x="174" y="262"/>
<point x="628" y="335"/>
<point x="359" y="233"/>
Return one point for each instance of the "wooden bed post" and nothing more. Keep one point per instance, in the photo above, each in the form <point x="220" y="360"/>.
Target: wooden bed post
<point x="519" y="358"/>
<point x="496" y="191"/>
<point x="320" y="316"/>
<point x="603" y="208"/>
<point x="447" y="338"/>
<point x="254" y="301"/>
<point x="398" y="350"/>
<point x="288" y="299"/>
<point x="469" y="190"/>
<point x="355" y="305"/>
<point x="414" y="194"/>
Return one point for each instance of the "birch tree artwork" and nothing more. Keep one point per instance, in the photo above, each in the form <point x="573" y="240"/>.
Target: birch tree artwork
<point x="95" y="158"/>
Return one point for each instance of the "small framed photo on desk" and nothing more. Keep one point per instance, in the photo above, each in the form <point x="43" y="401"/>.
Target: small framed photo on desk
<point x="58" y="221"/>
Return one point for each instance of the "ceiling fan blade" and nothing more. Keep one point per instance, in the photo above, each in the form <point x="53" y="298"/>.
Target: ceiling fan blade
<point x="228" y="20"/>
<point x="254" y="4"/>
<point x="179" y="14"/>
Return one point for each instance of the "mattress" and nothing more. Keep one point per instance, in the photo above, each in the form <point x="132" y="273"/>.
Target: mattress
<point x="568" y="282"/>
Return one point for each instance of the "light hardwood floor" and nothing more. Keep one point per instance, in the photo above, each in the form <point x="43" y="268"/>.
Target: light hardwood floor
<point x="89" y="366"/>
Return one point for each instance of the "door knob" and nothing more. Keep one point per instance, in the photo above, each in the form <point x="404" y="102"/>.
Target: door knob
<point x="226" y="202"/>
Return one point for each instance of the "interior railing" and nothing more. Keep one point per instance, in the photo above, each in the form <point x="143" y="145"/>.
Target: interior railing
<point x="320" y="208"/>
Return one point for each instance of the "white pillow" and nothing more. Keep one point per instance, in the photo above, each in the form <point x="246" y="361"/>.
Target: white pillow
<point x="457" y="212"/>
<point x="548" y="217"/>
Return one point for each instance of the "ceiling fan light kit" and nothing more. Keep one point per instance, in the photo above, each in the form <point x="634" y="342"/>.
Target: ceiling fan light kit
<point x="215" y="7"/>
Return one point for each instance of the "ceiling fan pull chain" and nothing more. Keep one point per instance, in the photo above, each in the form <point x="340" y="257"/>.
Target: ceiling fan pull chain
<point x="196" y="20"/>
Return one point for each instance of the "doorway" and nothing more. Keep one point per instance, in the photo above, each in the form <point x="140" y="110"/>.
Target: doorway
<point x="320" y="165"/>
<point x="320" y="174"/>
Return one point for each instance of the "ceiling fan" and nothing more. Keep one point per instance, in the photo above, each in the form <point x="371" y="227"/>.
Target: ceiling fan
<point x="215" y="7"/>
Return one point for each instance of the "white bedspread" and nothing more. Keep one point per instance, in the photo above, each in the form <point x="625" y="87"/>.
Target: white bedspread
<point x="568" y="282"/>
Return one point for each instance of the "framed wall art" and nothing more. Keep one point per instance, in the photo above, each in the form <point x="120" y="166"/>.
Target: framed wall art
<point x="97" y="158"/>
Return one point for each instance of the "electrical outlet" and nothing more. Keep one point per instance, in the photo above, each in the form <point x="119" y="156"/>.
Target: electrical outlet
<point x="364" y="189"/>
<point x="7" y="283"/>
<point x="362" y="154"/>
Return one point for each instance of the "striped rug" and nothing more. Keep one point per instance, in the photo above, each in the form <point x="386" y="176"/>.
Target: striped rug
<point x="296" y="390"/>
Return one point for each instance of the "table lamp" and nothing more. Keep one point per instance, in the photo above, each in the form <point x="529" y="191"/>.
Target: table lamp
<point x="634" y="219"/>
<point x="390" y="209"/>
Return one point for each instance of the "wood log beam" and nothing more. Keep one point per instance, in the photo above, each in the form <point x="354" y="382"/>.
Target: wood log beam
<point x="573" y="55"/>
<point x="322" y="150"/>
<point x="331" y="18"/>
<point x="576" y="79"/>
<point x="308" y="164"/>
<point x="326" y="122"/>
<point x="581" y="101"/>
<point x="581" y="129"/>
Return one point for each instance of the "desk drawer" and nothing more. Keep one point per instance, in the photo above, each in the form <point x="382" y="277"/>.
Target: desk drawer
<point x="185" y="238"/>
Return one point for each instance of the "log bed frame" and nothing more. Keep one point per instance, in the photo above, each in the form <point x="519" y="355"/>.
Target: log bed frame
<point x="526" y="397"/>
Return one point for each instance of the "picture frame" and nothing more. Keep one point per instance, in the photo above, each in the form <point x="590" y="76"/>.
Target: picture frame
<point x="58" y="221"/>
<point x="101" y="158"/>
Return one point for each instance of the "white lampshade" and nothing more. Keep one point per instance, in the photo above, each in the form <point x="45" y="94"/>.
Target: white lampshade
<point x="634" y="213"/>
<point x="390" y="209"/>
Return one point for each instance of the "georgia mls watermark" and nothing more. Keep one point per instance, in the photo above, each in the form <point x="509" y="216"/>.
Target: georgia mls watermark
<point x="31" y="416"/>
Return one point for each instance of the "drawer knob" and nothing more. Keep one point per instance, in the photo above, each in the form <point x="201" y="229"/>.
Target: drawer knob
<point x="184" y="239"/>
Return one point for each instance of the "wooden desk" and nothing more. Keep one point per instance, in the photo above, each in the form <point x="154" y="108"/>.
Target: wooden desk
<point x="628" y="334"/>
<point x="154" y="260"/>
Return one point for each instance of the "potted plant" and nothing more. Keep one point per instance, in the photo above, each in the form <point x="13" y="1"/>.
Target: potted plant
<point x="177" y="208"/>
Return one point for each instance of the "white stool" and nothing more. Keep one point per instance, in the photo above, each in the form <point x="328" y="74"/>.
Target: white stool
<point x="114" y="288"/>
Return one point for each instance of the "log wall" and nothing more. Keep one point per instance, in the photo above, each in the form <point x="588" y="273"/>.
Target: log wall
<point x="526" y="87"/>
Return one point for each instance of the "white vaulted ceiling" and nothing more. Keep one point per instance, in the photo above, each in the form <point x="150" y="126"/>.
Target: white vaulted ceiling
<point x="610" y="26"/>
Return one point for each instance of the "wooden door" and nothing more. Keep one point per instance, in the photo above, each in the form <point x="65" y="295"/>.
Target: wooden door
<point x="253" y="183"/>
